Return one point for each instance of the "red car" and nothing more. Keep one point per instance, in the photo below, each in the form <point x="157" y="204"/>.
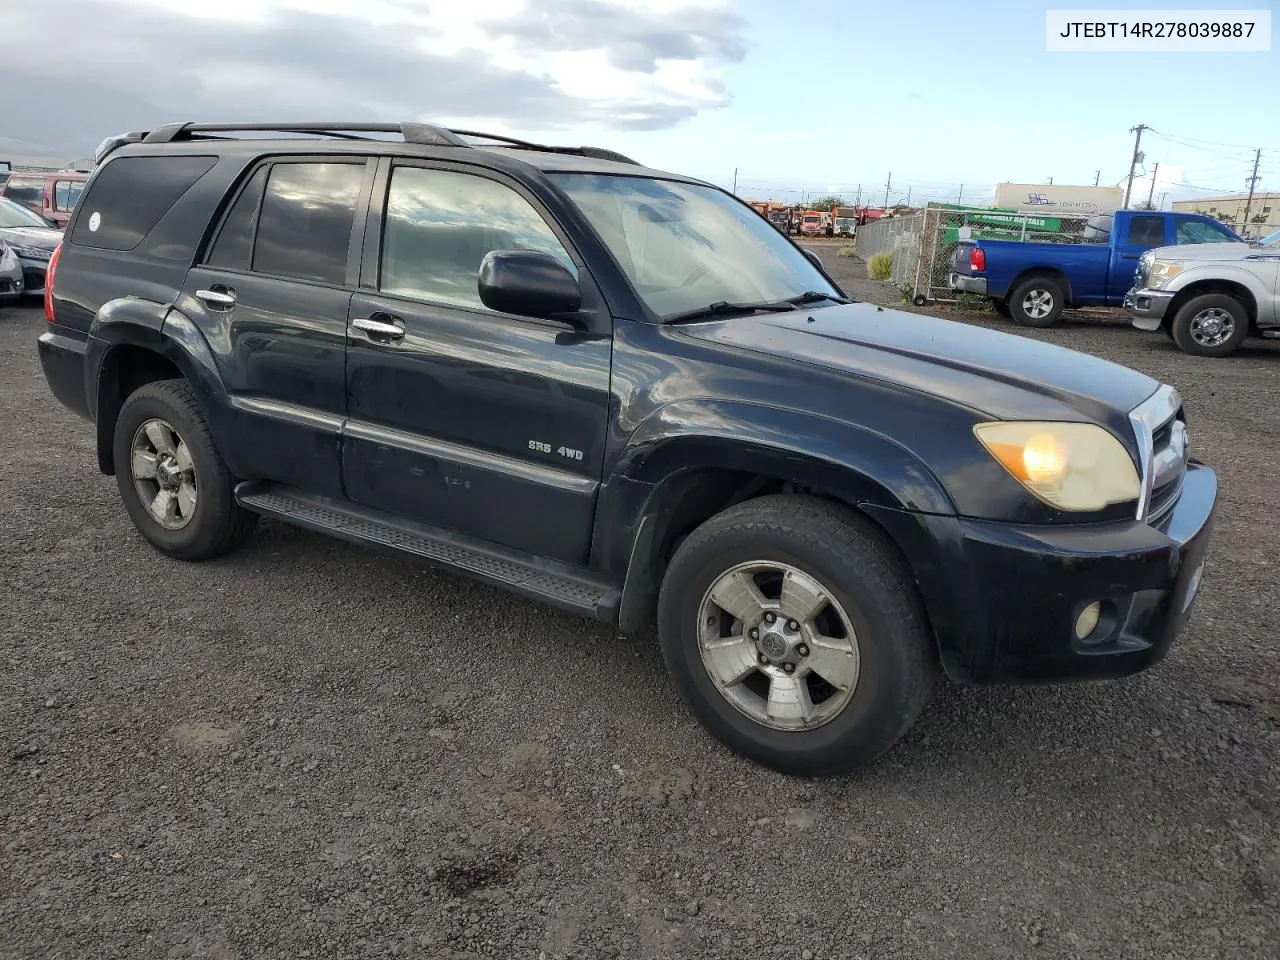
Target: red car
<point x="52" y="195"/>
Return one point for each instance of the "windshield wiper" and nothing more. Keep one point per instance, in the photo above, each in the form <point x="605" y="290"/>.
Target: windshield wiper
<point x="725" y="307"/>
<point x="813" y="296"/>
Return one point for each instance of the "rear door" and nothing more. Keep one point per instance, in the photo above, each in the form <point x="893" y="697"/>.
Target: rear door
<point x="486" y="423"/>
<point x="1138" y="234"/>
<point x="272" y="297"/>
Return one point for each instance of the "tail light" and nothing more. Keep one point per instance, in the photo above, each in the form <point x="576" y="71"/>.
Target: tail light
<point x="48" y="283"/>
<point x="977" y="260"/>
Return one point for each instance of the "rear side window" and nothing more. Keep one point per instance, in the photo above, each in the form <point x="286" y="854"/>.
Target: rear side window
<point x="1146" y="232"/>
<point x="25" y="190"/>
<point x="235" y="241"/>
<point x="304" y="228"/>
<point x="130" y="195"/>
<point x="66" y="193"/>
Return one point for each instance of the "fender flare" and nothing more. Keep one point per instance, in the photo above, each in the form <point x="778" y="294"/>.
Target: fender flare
<point x="653" y="472"/>
<point x="162" y="330"/>
<point x="1217" y="271"/>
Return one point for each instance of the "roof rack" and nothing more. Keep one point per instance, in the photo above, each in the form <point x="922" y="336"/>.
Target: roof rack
<point x="412" y="131"/>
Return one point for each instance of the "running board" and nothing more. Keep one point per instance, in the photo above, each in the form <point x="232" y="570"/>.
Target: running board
<point x="552" y="582"/>
<point x="1271" y="334"/>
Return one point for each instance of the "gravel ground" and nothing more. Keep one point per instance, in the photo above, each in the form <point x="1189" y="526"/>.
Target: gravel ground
<point x="311" y="750"/>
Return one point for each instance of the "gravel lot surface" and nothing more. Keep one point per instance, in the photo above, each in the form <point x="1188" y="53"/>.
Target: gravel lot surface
<point x="311" y="750"/>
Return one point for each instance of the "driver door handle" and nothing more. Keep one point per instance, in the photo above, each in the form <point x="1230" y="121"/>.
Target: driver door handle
<point x="217" y="297"/>
<point x="390" y="329"/>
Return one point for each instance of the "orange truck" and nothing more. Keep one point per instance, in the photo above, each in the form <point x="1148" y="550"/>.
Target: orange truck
<point x="813" y="223"/>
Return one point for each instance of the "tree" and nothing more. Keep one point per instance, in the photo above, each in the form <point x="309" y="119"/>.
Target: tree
<point x="827" y="203"/>
<point x="1258" y="218"/>
<point x="1224" y="217"/>
<point x="1144" y="205"/>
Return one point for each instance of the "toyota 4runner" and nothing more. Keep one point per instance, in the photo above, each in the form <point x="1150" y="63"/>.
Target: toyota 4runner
<point x="623" y="393"/>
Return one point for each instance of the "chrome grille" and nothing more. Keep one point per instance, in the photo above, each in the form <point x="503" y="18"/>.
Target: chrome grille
<point x="1163" y="448"/>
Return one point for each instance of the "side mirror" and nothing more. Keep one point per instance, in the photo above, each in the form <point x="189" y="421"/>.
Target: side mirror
<point x="528" y="283"/>
<point x="813" y="258"/>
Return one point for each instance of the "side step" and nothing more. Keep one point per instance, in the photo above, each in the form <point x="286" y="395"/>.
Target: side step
<point x="1271" y="334"/>
<point x="555" y="583"/>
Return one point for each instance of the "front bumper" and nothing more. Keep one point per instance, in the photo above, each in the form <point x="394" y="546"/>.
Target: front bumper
<point x="966" y="284"/>
<point x="1004" y="599"/>
<point x="1147" y="307"/>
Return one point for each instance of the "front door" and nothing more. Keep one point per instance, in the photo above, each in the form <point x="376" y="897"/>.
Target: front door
<point x="480" y="422"/>
<point x="272" y="298"/>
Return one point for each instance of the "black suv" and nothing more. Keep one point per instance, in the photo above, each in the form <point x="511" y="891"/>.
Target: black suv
<point x="624" y="393"/>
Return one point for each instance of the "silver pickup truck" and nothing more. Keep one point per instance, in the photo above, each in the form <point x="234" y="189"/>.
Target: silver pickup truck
<point x="1209" y="296"/>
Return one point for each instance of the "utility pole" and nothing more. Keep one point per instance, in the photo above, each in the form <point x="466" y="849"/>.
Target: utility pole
<point x="886" y="190"/>
<point x="959" y="194"/>
<point x="858" y="199"/>
<point x="1253" y="182"/>
<point x="1137" y="156"/>
<point x="1151" y="192"/>
<point x="908" y="198"/>
<point x="735" y="180"/>
<point x="1051" y="181"/>
<point x="1163" y="194"/>
<point x="1097" y="175"/>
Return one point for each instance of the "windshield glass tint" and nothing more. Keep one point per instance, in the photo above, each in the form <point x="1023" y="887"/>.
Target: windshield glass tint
<point x="685" y="246"/>
<point x="15" y="215"/>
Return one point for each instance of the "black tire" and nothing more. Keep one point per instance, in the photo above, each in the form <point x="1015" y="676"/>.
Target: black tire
<point x="857" y="567"/>
<point x="218" y="523"/>
<point x="1041" y="287"/>
<point x="1001" y="307"/>
<point x="1191" y="339"/>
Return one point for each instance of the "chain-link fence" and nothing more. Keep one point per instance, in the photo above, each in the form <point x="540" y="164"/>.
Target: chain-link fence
<point x="897" y="235"/>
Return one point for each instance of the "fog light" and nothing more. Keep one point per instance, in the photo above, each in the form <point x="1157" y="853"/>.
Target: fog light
<point x="1088" y="619"/>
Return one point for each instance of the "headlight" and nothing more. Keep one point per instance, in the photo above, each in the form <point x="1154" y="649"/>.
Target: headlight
<point x="1071" y="466"/>
<point x="7" y="259"/>
<point x="1162" y="271"/>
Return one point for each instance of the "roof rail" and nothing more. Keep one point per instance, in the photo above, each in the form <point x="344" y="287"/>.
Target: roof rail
<point x="412" y="132"/>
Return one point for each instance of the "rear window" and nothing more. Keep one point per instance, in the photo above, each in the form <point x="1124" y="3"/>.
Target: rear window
<point x="28" y="191"/>
<point x="130" y="195"/>
<point x="305" y="220"/>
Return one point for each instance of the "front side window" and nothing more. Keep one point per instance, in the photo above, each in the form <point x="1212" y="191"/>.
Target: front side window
<point x="439" y="226"/>
<point x="66" y="193"/>
<point x="304" y="229"/>
<point x="684" y="246"/>
<point x="26" y="191"/>
<point x="1201" y="231"/>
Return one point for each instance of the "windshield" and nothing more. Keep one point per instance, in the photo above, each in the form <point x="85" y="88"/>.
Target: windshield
<point x="1270" y="240"/>
<point x="685" y="246"/>
<point x="15" y="215"/>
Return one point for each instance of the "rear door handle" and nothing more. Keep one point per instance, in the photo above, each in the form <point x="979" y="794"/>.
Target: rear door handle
<point x="389" y="329"/>
<point x="219" y="298"/>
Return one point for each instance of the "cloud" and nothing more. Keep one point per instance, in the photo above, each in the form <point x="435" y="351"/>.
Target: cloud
<point x="549" y="64"/>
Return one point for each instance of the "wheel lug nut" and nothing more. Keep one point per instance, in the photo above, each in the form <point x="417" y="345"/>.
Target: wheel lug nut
<point x="802" y="650"/>
<point x="792" y="625"/>
<point x="789" y="667"/>
<point x="763" y="658"/>
<point x="770" y="617"/>
<point x="755" y="634"/>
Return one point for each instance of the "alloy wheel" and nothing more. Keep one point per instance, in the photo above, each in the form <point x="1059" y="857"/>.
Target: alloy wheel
<point x="163" y="474"/>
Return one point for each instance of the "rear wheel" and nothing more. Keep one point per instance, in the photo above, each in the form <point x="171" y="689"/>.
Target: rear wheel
<point x="793" y="631"/>
<point x="174" y="484"/>
<point x="1037" y="302"/>
<point x="1212" y="325"/>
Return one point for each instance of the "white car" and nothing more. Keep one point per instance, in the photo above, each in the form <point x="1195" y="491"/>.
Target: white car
<point x="1209" y="296"/>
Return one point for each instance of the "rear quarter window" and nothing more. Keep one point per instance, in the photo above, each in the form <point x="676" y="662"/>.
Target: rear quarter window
<point x="129" y="196"/>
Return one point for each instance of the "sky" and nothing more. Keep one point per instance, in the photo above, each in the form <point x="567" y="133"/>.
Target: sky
<point x="941" y="99"/>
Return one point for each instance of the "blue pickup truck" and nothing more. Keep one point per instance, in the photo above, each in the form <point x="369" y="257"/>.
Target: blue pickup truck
<point x="1033" y="282"/>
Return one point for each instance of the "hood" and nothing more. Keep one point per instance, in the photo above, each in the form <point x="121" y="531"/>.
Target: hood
<point x="1205" y="251"/>
<point x="42" y="238"/>
<point x="1003" y="376"/>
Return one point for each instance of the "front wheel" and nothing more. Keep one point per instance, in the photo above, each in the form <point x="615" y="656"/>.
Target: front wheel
<point x="1211" y="325"/>
<point x="793" y="632"/>
<point x="174" y="484"/>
